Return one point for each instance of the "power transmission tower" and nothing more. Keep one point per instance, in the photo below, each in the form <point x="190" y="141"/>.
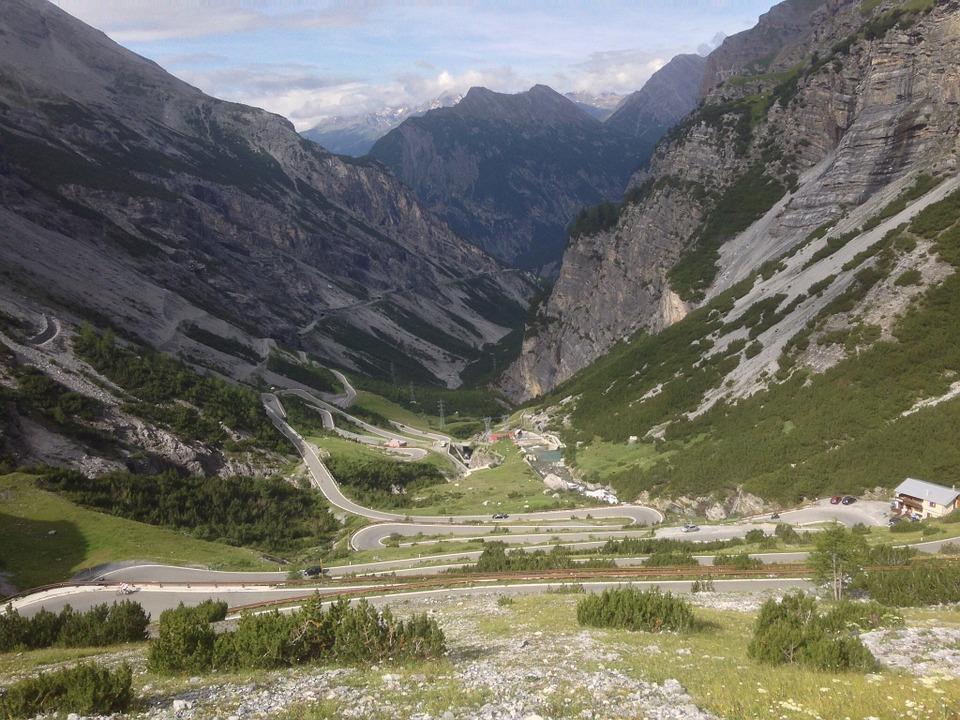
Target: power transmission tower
<point x="486" y="428"/>
<point x="413" y="399"/>
<point x="440" y="403"/>
<point x="393" y="379"/>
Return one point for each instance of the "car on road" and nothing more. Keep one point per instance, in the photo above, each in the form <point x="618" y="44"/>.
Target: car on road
<point x="500" y="516"/>
<point x="848" y="500"/>
<point x="775" y="516"/>
<point x="690" y="527"/>
<point x="313" y="571"/>
<point x="835" y="500"/>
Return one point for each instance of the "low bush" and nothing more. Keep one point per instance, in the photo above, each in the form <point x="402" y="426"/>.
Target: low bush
<point x="670" y="558"/>
<point x="342" y="634"/>
<point x="184" y="644"/>
<point x="647" y="546"/>
<point x="923" y="526"/>
<point x="788" y="534"/>
<point x="908" y="277"/>
<point x="890" y="555"/>
<point x="100" y="625"/>
<point x="738" y="561"/>
<point x="496" y="558"/>
<point x="85" y="689"/>
<point x="923" y="583"/>
<point x="631" y="609"/>
<point x="860" y="616"/>
<point x="792" y="631"/>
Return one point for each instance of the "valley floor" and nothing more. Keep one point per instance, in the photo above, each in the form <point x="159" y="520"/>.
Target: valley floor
<point x="526" y="657"/>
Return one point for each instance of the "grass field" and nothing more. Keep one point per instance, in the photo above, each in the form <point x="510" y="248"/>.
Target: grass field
<point x="26" y="661"/>
<point x="600" y="459"/>
<point x="45" y="539"/>
<point x="381" y="405"/>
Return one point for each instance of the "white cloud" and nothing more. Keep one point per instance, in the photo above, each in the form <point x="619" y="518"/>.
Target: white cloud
<point x="306" y="97"/>
<point x="349" y="57"/>
<point x="133" y="21"/>
<point x="618" y="71"/>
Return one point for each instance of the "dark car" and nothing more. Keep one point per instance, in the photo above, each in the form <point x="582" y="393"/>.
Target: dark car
<point x="313" y="571"/>
<point x="848" y="500"/>
<point x="500" y="516"/>
<point x="893" y="521"/>
<point x="775" y="516"/>
<point x="835" y="500"/>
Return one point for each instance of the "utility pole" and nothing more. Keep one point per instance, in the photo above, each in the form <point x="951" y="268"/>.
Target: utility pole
<point x="440" y="403"/>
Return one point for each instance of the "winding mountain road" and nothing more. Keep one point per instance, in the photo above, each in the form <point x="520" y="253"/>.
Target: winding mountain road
<point x="523" y="528"/>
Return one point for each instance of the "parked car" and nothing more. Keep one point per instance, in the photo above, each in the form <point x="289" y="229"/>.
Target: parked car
<point x="893" y="521"/>
<point x="500" y="516"/>
<point x="848" y="500"/>
<point x="690" y="527"/>
<point x="835" y="500"/>
<point x="313" y="571"/>
<point x="775" y="516"/>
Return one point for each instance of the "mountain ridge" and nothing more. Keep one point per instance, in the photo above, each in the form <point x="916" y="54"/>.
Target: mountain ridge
<point x="510" y="171"/>
<point x="225" y="207"/>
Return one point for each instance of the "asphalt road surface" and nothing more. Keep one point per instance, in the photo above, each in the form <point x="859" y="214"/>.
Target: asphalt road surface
<point x="324" y="481"/>
<point x="164" y="586"/>
<point x="157" y="599"/>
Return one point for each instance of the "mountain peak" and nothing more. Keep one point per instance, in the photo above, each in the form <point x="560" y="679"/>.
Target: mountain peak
<point x="540" y="105"/>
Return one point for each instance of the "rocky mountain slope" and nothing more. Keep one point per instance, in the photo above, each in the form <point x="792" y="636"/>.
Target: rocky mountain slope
<point x="855" y="98"/>
<point x="508" y="172"/>
<point x="776" y="306"/>
<point x="670" y="94"/>
<point x="132" y="199"/>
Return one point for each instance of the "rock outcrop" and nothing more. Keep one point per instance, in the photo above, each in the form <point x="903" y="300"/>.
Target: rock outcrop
<point x="857" y="99"/>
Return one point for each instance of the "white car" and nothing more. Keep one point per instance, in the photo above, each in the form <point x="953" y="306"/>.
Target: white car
<point x="690" y="527"/>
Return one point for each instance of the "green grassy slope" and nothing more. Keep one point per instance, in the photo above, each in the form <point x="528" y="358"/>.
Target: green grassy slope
<point x="44" y="539"/>
<point x="811" y="434"/>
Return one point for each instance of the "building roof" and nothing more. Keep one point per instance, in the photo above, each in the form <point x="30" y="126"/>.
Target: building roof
<point x="924" y="490"/>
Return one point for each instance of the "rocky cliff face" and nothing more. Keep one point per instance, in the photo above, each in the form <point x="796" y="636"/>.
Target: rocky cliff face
<point x="670" y="94"/>
<point x="768" y="44"/>
<point x="509" y="172"/>
<point x="131" y="197"/>
<point x="858" y="98"/>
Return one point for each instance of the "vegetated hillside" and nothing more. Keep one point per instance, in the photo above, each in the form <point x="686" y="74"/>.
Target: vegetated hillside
<point x="832" y="370"/>
<point x="93" y="404"/>
<point x="859" y="97"/>
<point x="131" y="198"/>
<point x="814" y="349"/>
<point x="508" y="172"/>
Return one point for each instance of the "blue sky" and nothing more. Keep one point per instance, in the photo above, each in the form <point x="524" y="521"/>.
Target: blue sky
<point x="309" y="60"/>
